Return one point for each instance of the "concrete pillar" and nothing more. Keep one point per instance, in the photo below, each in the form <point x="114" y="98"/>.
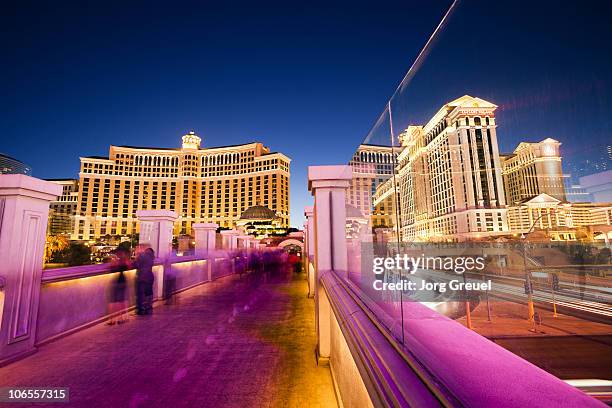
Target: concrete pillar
<point x="309" y="249"/>
<point x="309" y="239"/>
<point x="229" y="239"/>
<point x="328" y="185"/>
<point x="305" y="255"/>
<point x="156" y="230"/>
<point x="205" y="240"/>
<point x="205" y="244"/>
<point x="24" y="211"/>
<point x="242" y="242"/>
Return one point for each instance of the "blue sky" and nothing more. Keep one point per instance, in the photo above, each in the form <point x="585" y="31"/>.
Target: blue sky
<point x="306" y="79"/>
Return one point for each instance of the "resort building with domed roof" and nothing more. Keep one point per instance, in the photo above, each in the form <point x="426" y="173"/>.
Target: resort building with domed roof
<point x="261" y="222"/>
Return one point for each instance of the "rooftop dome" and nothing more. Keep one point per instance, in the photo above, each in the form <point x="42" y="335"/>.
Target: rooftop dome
<point x="258" y="212"/>
<point x="191" y="141"/>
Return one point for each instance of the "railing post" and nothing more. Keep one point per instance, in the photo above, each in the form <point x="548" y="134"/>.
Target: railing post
<point x="309" y="249"/>
<point x="156" y="230"/>
<point x="230" y="244"/>
<point x="251" y="243"/>
<point x="328" y="185"/>
<point x="205" y="243"/>
<point x="204" y="238"/>
<point x="242" y="242"/>
<point x="229" y="239"/>
<point x="24" y="211"/>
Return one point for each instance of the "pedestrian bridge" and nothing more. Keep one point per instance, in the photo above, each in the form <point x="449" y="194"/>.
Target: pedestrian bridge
<point x="227" y="343"/>
<point x="267" y="338"/>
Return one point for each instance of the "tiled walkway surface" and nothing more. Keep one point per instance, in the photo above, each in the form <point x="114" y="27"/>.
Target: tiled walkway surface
<point x="226" y="344"/>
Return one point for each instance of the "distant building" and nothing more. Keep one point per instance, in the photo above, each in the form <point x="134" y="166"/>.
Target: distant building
<point x="372" y="165"/>
<point x="261" y="222"/>
<point x="560" y="220"/>
<point x="533" y="169"/>
<point x="9" y="165"/>
<point x="216" y="184"/>
<point x="599" y="185"/>
<point x="450" y="175"/>
<point x="385" y="205"/>
<point x="63" y="210"/>
<point x="451" y="183"/>
<point x="590" y="214"/>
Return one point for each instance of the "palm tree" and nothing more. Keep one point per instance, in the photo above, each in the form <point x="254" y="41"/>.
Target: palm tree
<point x="53" y="245"/>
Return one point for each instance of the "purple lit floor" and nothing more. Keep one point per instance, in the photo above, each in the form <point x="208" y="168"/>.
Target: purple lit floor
<point x="226" y="344"/>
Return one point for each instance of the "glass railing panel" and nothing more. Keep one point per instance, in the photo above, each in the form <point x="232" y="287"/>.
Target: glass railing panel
<point x="478" y="164"/>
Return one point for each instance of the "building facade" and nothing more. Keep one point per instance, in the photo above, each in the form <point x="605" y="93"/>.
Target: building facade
<point x="559" y="220"/>
<point x="533" y="169"/>
<point x="372" y="165"/>
<point x="261" y="222"/>
<point x="385" y="205"/>
<point x="9" y="165"/>
<point x="200" y="184"/>
<point x="450" y="176"/>
<point x="63" y="210"/>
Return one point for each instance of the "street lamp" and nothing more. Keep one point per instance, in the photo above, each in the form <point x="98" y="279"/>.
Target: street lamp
<point x="528" y="284"/>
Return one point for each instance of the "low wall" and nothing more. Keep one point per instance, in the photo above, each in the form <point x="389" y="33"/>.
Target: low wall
<point x="351" y="389"/>
<point x="77" y="297"/>
<point x="441" y="362"/>
<point x="189" y="273"/>
<point x="69" y="304"/>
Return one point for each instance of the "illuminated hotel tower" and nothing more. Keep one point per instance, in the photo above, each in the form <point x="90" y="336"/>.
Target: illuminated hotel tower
<point x="449" y="175"/>
<point x="533" y="169"/>
<point x="212" y="184"/>
<point x="372" y="165"/>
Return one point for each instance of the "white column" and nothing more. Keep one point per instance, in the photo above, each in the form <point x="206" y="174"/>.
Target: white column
<point x="24" y="211"/>
<point x="156" y="230"/>
<point x="309" y="213"/>
<point x="229" y="239"/>
<point x="204" y="238"/>
<point x="309" y="249"/>
<point x="242" y="242"/>
<point x="328" y="184"/>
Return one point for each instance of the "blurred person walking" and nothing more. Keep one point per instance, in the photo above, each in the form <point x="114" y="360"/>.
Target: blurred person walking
<point x="149" y="287"/>
<point x="144" y="280"/>
<point x="118" y="305"/>
<point x="293" y="262"/>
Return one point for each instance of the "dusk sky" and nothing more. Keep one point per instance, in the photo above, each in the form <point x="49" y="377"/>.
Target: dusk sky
<point x="306" y="79"/>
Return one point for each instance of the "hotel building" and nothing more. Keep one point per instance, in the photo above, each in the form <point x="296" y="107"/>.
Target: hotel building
<point x="559" y="220"/>
<point x="450" y="175"/>
<point x="214" y="184"/>
<point x="63" y="210"/>
<point x="372" y="165"/>
<point x="386" y="205"/>
<point x="533" y="169"/>
<point x="9" y="165"/>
